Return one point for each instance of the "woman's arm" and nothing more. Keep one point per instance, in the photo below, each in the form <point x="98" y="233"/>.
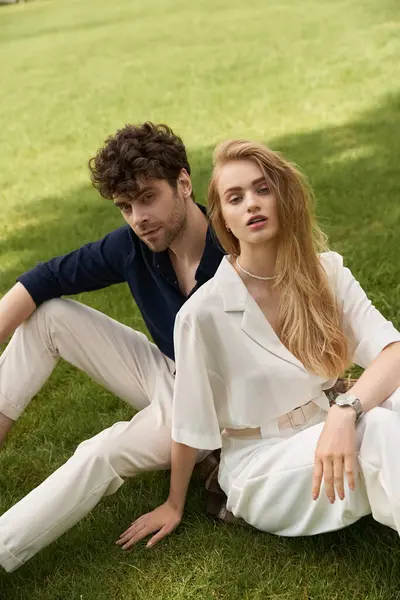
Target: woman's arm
<point x="374" y="344"/>
<point x="183" y="459"/>
<point x="335" y="455"/>
<point x="166" y="517"/>
<point x="194" y="425"/>
<point x="380" y="379"/>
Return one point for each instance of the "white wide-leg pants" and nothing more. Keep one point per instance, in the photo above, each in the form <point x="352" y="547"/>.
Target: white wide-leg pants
<point x="268" y="481"/>
<point x="126" y="363"/>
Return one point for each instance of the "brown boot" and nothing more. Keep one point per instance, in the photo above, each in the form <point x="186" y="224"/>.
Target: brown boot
<point x="203" y="469"/>
<point x="216" y="501"/>
<point x="6" y="425"/>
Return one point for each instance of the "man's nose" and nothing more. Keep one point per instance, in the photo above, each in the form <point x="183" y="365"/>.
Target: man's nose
<point x="138" y="218"/>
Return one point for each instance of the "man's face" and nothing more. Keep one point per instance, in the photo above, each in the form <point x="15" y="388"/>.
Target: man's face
<point x="157" y="214"/>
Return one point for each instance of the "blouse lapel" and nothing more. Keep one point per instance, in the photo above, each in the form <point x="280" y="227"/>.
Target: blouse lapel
<point x="236" y="298"/>
<point x="256" y="326"/>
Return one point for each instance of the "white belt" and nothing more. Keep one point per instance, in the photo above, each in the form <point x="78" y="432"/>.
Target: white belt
<point x="295" y="419"/>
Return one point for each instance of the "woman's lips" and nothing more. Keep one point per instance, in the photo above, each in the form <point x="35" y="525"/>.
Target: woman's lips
<point x="258" y="224"/>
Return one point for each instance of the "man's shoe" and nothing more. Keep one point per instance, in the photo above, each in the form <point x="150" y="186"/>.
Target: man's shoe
<point x="203" y="469"/>
<point x="216" y="501"/>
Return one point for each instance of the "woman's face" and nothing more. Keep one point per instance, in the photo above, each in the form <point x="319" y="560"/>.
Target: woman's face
<point x="248" y="206"/>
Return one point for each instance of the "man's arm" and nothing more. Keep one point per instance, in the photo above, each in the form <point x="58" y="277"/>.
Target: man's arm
<point x="16" y="306"/>
<point x="92" y="267"/>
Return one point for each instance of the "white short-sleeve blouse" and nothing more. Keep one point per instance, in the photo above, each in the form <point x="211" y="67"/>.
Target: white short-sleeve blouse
<point x="233" y="371"/>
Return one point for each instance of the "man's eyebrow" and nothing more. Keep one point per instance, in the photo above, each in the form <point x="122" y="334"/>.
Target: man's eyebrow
<point x="142" y="191"/>
<point x="237" y="188"/>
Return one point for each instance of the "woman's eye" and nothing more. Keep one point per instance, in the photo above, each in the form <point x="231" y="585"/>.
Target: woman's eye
<point x="235" y="199"/>
<point x="264" y="190"/>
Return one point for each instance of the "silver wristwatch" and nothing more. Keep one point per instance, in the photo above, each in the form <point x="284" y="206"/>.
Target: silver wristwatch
<point x="347" y="400"/>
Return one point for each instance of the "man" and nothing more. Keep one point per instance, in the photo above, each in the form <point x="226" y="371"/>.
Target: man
<point x="165" y="252"/>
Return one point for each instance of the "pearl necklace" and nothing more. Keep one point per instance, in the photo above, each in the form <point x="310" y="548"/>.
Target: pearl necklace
<point x="239" y="266"/>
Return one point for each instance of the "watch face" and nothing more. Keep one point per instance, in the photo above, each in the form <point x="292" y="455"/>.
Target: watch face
<point x="343" y="402"/>
<point x="351" y="401"/>
<point x="347" y="401"/>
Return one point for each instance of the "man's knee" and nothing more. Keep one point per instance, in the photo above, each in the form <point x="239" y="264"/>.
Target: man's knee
<point x="55" y="310"/>
<point x="53" y="316"/>
<point x="100" y="449"/>
<point x="127" y="457"/>
<point x="51" y="311"/>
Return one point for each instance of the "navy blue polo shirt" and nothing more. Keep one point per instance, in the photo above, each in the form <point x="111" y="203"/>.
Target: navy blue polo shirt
<point x="122" y="257"/>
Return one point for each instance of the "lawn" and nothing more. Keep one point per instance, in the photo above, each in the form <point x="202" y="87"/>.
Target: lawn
<point x="318" y="80"/>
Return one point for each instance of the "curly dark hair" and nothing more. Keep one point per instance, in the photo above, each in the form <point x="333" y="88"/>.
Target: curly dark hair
<point x="135" y="154"/>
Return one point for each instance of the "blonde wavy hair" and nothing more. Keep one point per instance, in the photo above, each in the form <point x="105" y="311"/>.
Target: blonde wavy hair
<point x="308" y="316"/>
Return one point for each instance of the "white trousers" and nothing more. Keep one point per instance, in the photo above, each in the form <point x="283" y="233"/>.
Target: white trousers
<point x="268" y="481"/>
<point x="126" y="363"/>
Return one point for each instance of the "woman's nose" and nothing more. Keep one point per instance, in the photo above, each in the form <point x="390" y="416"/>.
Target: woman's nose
<point x="253" y="203"/>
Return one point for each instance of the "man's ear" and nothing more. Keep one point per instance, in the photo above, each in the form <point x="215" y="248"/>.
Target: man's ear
<point x="185" y="183"/>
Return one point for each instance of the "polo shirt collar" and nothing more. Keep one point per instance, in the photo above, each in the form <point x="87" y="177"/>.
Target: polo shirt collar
<point x="209" y="261"/>
<point x="212" y="254"/>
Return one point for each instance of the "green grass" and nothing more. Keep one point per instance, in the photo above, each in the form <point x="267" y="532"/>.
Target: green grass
<point x="315" y="79"/>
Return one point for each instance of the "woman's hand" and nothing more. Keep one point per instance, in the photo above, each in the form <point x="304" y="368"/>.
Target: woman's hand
<point x="335" y="455"/>
<point x="163" y="519"/>
<point x="166" y="517"/>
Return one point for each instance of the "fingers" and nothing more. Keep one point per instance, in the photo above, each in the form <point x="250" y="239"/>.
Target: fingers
<point x="338" y="476"/>
<point x="325" y="469"/>
<point x="350" y="467"/>
<point x="131" y="527"/>
<point x="162" y="520"/>
<point x="317" y="478"/>
<point x="159" y="536"/>
<point x="134" y="534"/>
<point x="344" y="465"/>
<point x="333" y="470"/>
<point x="329" y="480"/>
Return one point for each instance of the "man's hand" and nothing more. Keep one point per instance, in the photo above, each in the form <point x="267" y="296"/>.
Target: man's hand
<point x="335" y="454"/>
<point x="163" y="519"/>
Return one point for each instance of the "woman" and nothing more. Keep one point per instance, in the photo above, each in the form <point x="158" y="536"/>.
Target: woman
<point x="257" y="346"/>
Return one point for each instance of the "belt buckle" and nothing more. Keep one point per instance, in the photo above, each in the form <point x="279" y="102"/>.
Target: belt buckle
<point x="292" y="423"/>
